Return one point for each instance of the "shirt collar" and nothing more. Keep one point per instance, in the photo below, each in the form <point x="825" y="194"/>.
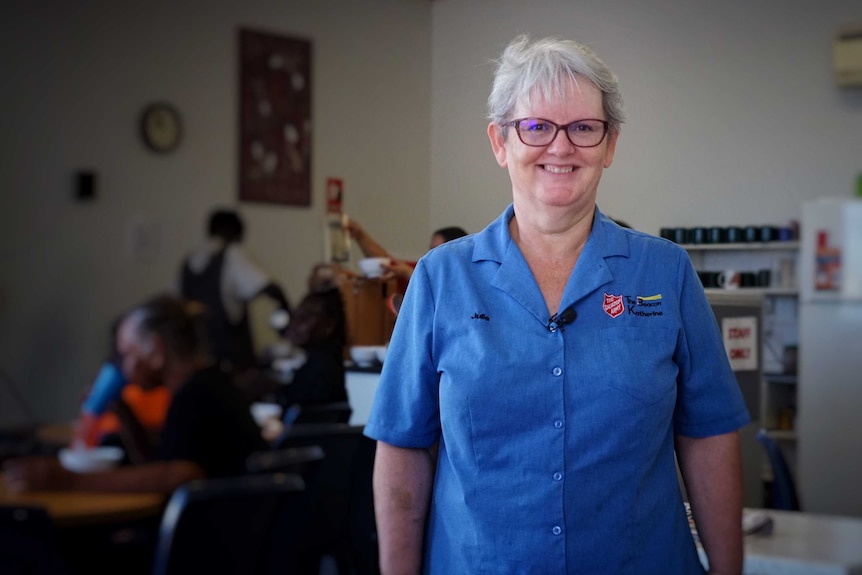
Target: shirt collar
<point x="495" y="243"/>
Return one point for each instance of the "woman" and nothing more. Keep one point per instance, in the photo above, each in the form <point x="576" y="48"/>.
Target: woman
<point x="208" y="431"/>
<point x="543" y="371"/>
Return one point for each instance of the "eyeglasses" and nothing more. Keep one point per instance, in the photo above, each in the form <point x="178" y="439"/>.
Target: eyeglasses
<point x="539" y="132"/>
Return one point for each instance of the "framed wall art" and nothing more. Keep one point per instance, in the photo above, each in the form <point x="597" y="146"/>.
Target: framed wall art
<point x="274" y="119"/>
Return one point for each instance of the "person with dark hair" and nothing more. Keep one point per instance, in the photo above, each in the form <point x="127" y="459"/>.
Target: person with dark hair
<point x="398" y="268"/>
<point x="225" y="279"/>
<point x="208" y="430"/>
<point x="448" y="234"/>
<point x="319" y="328"/>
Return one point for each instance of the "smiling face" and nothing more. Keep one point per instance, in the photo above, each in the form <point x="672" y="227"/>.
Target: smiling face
<point x="557" y="176"/>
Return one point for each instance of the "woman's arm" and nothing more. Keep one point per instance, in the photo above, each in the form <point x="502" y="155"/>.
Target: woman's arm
<point x="367" y="244"/>
<point x="136" y="439"/>
<point x="712" y="470"/>
<point x="402" y="491"/>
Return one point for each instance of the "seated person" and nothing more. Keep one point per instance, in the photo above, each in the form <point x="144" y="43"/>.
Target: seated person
<point x="318" y="327"/>
<point x="148" y="408"/>
<point x="208" y="431"/>
<point x="398" y="268"/>
<point x="97" y="423"/>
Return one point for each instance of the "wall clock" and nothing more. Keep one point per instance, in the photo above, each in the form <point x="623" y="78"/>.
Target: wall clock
<point x="161" y="127"/>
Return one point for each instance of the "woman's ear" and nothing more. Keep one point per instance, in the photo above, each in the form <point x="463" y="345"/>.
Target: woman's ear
<point x="498" y="143"/>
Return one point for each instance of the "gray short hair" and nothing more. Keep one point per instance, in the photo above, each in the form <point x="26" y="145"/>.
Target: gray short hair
<point x="546" y="64"/>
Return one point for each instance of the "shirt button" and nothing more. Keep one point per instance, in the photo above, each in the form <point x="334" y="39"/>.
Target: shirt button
<point x="558" y="424"/>
<point x="558" y="476"/>
<point x="557" y="371"/>
<point x="556" y="530"/>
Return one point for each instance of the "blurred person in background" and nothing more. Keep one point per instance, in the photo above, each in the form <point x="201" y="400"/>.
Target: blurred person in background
<point x="143" y="409"/>
<point x="398" y="268"/>
<point x="319" y="327"/>
<point x="208" y="430"/>
<point x="222" y="276"/>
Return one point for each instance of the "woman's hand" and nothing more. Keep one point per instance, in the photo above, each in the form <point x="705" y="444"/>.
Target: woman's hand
<point x="354" y="229"/>
<point x="396" y="268"/>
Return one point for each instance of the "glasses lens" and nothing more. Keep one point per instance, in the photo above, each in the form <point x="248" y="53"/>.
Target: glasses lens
<point x="586" y="133"/>
<point x="536" y="132"/>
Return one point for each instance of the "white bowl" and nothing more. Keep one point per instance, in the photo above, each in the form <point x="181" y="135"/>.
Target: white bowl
<point x="365" y="354"/>
<point x="373" y="267"/>
<point x="90" y="460"/>
<point x="381" y="353"/>
<point x="263" y="412"/>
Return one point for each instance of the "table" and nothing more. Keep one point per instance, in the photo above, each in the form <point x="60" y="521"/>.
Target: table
<point x="806" y="544"/>
<point x="83" y="508"/>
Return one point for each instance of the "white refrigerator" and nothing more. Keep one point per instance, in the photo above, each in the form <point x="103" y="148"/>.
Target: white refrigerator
<point x="829" y="395"/>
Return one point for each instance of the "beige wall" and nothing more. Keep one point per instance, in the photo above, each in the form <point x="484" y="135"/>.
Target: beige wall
<point x="733" y="118"/>
<point x="75" y="78"/>
<point x="733" y="114"/>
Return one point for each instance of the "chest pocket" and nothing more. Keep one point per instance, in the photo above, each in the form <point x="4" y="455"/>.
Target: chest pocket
<point x="638" y="361"/>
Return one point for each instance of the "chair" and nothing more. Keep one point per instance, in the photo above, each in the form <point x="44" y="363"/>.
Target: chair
<point x="340" y="494"/>
<point x="783" y="493"/>
<point x="29" y="543"/>
<point x="237" y="525"/>
<point x="335" y="412"/>
<point x="299" y="460"/>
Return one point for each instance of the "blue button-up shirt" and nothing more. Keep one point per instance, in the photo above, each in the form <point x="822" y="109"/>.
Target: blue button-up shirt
<point x="556" y="439"/>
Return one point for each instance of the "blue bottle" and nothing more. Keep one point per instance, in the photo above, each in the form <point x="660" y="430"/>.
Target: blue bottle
<point x="106" y="388"/>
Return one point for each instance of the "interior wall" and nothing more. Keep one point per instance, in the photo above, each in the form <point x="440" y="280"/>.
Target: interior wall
<point x="733" y="114"/>
<point x="76" y="76"/>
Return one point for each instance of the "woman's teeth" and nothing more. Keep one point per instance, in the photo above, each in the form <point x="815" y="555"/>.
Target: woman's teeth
<point x="559" y="169"/>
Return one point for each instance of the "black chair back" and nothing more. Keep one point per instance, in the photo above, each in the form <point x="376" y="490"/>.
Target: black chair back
<point x="299" y="460"/>
<point x="340" y="495"/>
<point x="238" y="525"/>
<point x="336" y="412"/>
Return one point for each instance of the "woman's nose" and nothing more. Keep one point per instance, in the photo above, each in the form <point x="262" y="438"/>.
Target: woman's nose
<point x="561" y="143"/>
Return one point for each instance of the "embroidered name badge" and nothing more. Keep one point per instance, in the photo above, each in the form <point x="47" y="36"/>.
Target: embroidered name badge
<point x="614" y="305"/>
<point x="645" y="306"/>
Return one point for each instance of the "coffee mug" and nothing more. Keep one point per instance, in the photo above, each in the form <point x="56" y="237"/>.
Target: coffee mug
<point x="666" y="233"/>
<point x="708" y="279"/>
<point x="729" y="279"/>
<point x="698" y="235"/>
<point x="785" y="234"/>
<point x="716" y="235"/>
<point x="735" y="234"/>
<point x="680" y="235"/>
<point x="747" y="279"/>
<point x="752" y="233"/>
<point x="768" y="234"/>
<point x="763" y="278"/>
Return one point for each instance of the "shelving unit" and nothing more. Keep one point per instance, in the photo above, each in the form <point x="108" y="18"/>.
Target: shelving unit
<point x="780" y="337"/>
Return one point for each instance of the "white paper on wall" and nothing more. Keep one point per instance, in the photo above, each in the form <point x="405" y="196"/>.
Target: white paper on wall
<point x="741" y="342"/>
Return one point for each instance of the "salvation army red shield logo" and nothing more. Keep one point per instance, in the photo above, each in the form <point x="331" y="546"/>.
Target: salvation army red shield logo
<point x="614" y="305"/>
